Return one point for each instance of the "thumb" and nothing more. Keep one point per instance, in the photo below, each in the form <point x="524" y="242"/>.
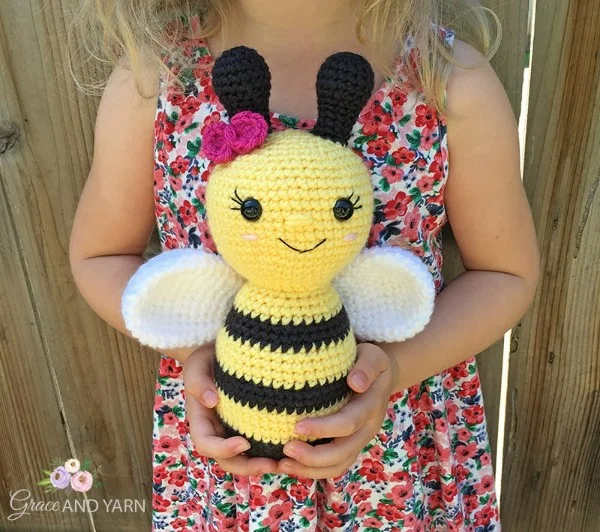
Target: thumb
<point x="197" y="376"/>
<point x="371" y="362"/>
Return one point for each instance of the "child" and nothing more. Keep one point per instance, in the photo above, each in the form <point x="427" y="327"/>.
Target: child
<point x="410" y="451"/>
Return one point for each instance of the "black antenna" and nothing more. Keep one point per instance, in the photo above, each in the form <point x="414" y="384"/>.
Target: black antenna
<point x="242" y="81"/>
<point x="344" y="85"/>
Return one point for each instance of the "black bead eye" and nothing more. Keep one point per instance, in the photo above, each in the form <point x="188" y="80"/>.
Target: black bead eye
<point x="251" y="209"/>
<point x="343" y="209"/>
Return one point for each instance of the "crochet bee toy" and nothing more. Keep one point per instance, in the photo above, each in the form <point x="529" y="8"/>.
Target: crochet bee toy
<point x="290" y="213"/>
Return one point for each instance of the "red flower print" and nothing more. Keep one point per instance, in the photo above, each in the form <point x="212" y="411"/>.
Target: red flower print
<point x="160" y="504"/>
<point x="437" y="166"/>
<point x="159" y="473"/>
<point x="299" y="491"/>
<point x="401" y="476"/>
<point x="176" y="98"/>
<point x="372" y="522"/>
<point x="362" y="495"/>
<point x="352" y="488"/>
<point x="426" y="116"/>
<point x="277" y="513"/>
<point x="464" y="434"/>
<point x="436" y="500"/>
<point x="190" y="105"/>
<point x="364" y="509"/>
<point x="428" y="138"/>
<point x="425" y="184"/>
<point x="486" y="459"/>
<point x="177" y="478"/>
<point x="376" y="121"/>
<point x="471" y="502"/>
<point x="426" y="455"/>
<point x="376" y="452"/>
<point x="486" y="484"/>
<point x="403" y="155"/>
<point x="180" y="165"/>
<point x="421" y="421"/>
<point x="451" y="412"/>
<point x="449" y="491"/>
<point x="484" y="516"/>
<point x="184" y="122"/>
<point x="169" y="367"/>
<point x="400" y="494"/>
<point x="425" y="403"/>
<point x="398" y="98"/>
<point x="372" y="470"/>
<point x="278" y="495"/>
<point x="375" y="234"/>
<point x="392" y="174"/>
<point x="409" y="520"/>
<point x="170" y="419"/>
<point x="474" y="415"/>
<point x="411" y="227"/>
<point x="332" y="520"/>
<point x="310" y="512"/>
<point x="378" y="147"/>
<point x="388" y="511"/>
<point x="179" y="523"/>
<point x="461" y="473"/>
<point x="440" y="425"/>
<point x="470" y="388"/>
<point x="165" y="444"/>
<point x="465" y="451"/>
<point x="188" y="213"/>
<point x="397" y="206"/>
<point x="339" y="507"/>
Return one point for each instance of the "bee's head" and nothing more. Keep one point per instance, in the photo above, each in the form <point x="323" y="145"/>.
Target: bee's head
<point x="292" y="213"/>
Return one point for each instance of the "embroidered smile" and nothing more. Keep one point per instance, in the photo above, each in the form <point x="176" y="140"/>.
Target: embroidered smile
<point x="303" y="250"/>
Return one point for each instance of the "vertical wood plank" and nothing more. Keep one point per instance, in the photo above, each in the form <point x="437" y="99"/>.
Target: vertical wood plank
<point x="105" y="381"/>
<point x="508" y="63"/>
<point x="552" y="464"/>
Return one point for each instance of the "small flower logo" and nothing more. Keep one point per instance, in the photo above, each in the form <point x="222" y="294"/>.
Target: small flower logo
<point x="73" y="474"/>
<point x="72" y="465"/>
<point x="82" y="481"/>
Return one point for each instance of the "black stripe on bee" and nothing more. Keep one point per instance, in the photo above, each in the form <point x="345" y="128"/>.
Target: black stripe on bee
<point x="265" y="449"/>
<point x="243" y="327"/>
<point x="306" y="399"/>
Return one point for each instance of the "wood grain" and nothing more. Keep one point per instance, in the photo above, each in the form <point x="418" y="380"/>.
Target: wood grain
<point x="104" y="380"/>
<point x="552" y="464"/>
<point x="509" y="64"/>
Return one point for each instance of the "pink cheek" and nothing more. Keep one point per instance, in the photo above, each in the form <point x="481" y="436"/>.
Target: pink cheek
<point x="249" y="237"/>
<point x="350" y="237"/>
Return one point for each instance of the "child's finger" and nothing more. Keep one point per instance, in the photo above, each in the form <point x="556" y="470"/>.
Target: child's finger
<point x="351" y="418"/>
<point x="242" y="465"/>
<point x="340" y="451"/>
<point x="205" y="434"/>
<point x="198" y="379"/>
<point x="371" y="362"/>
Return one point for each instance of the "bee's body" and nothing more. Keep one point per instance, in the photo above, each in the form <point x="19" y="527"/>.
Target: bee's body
<point x="281" y="359"/>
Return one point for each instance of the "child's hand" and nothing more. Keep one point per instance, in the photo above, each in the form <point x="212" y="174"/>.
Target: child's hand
<point x="353" y="426"/>
<point x="206" y="431"/>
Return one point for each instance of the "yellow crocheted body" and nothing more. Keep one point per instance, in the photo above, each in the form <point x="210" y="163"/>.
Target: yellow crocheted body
<point x="286" y="347"/>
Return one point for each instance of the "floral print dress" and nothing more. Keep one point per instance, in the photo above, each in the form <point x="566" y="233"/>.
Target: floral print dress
<point x="429" y="468"/>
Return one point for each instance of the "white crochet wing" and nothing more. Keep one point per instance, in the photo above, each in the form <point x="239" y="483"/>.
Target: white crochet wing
<point x="388" y="294"/>
<point x="179" y="298"/>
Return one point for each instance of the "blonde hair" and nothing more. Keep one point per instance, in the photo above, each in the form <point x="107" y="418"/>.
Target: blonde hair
<point x="144" y="32"/>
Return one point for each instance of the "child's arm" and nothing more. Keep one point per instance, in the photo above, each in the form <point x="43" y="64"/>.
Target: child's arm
<point x="492" y="223"/>
<point x="115" y="215"/>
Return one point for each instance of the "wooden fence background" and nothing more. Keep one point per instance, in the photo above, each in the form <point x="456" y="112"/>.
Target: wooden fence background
<point x="72" y="386"/>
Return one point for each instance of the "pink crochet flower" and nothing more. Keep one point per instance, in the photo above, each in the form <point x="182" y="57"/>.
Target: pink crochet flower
<point x="223" y="142"/>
